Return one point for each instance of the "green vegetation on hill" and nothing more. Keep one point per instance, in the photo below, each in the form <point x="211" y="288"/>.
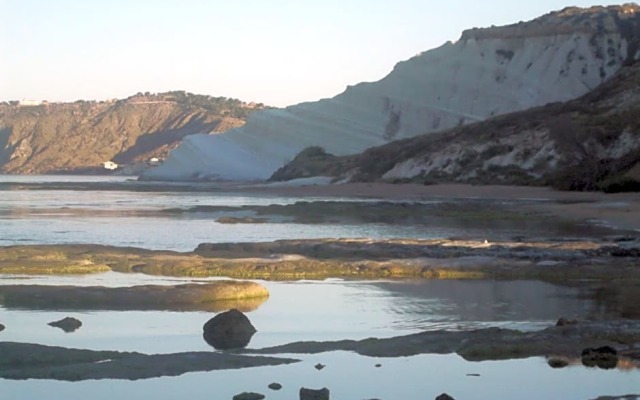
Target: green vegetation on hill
<point x="78" y="137"/>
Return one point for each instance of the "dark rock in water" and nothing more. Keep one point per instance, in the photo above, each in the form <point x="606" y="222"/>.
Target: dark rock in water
<point x="313" y="394"/>
<point x="33" y="361"/>
<point x="378" y="365"/>
<point x="1" y="327"/>
<point x="565" y="321"/>
<point x="319" y="366"/>
<point x="444" y="396"/>
<point x="275" y="386"/>
<point x="228" y="330"/>
<point x="605" y="357"/>
<point x="249" y="396"/>
<point x="557" y="363"/>
<point x="68" y="324"/>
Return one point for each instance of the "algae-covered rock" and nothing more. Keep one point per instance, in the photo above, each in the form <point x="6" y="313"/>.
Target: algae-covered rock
<point x="207" y="297"/>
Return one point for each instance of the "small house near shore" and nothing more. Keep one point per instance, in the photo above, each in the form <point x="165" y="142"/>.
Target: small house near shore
<point x="110" y="165"/>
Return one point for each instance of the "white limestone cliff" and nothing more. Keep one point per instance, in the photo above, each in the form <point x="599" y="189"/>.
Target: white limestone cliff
<point x="488" y="72"/>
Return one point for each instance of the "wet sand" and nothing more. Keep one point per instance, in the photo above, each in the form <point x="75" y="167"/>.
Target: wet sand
<point x="619" y="210"/>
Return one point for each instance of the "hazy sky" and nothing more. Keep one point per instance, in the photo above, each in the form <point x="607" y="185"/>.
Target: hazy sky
<point x="278" y="52"/>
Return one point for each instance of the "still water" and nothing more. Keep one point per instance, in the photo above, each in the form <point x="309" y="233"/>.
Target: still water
<point x="323" y="310"/>
<point x="305" y="310"/>
<point x="133" y="218"/>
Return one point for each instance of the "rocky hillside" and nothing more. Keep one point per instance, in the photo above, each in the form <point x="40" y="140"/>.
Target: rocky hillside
<point x="488" y="72"/>
<point x="591" y="143"/>
<point x="79" y="137"/>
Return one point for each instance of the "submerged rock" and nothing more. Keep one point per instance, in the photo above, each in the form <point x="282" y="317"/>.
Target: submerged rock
<point x="67" y="324"/>
<point x="249" y="396"/>
<point x="444" y="396"/>
<point x="1" y="327"/>
<point x="314" y="394"/>
<point x="275" y="386"/>
<point x="319" y="366"/>
<point x="229" y="330"/>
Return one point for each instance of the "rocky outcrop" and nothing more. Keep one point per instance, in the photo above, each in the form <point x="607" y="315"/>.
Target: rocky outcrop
<point x="590" y="143"/>
<point x="569" y="20"/>
<point x="37" y="139"/>
<point x="1" y="327"/>
<point x="228" y="330"/>
<point x="488" y="72"/>
<point x="67" y="324"/>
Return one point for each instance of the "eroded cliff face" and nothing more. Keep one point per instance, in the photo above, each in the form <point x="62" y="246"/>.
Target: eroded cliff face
<point x="488" y="72"/>
<point x="589" y="143"/>
<point x="80" y="136"/>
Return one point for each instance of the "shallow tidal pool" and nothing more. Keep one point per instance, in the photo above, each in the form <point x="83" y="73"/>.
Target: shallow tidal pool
<point x="332" y="309"/>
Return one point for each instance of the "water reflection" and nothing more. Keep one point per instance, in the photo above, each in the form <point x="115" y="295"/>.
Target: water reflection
<point x="350" y="376"/>
<point x="308" y="310"/>
<point x="621" y="363"/>
<point x="451" y="302"/>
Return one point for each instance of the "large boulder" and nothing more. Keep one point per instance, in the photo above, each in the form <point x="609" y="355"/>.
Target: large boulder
<point x="228" y="330"/>
<point x="68" y="324"/>
<point x="1" y="327"/>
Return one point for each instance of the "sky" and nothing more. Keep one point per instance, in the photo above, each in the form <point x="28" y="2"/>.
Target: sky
<point x="277" y="52"/>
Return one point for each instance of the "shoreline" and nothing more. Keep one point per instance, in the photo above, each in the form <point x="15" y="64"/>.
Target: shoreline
<point x="615" y="210"/>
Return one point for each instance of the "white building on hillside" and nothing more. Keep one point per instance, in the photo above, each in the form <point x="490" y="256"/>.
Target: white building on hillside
<point x="25" y="102"/>
<point x="110" y="165"/>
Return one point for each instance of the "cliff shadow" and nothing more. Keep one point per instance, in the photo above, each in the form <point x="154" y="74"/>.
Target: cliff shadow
<point x="5" y="150"/>
<point x="163" y="140"/>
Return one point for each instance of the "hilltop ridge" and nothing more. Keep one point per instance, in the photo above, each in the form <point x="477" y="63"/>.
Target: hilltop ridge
<point x="78" y="137"/>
